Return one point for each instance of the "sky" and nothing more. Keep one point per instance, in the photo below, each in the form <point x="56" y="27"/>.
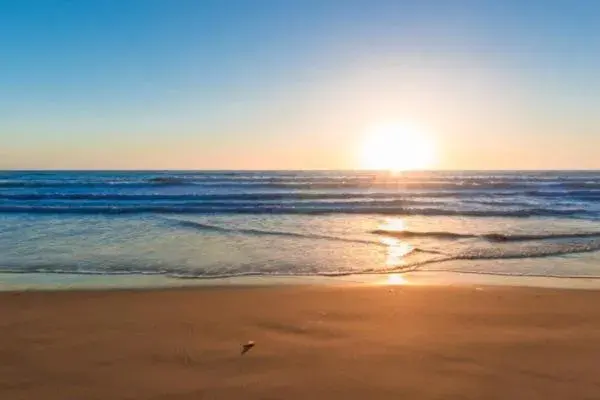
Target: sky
<point x="296" y="84"/>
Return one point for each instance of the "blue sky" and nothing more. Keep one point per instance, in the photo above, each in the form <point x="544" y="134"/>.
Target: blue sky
<point x="296" y="84"/>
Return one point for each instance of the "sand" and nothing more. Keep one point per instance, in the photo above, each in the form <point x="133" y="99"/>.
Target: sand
<point x="310" y="343"/>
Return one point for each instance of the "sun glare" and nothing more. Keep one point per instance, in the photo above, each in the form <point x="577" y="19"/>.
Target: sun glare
<point x="397" y="148"/>
<point x="396" y="279"/>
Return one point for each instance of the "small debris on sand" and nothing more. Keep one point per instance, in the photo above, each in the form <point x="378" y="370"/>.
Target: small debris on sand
<point x="246" y="347"/>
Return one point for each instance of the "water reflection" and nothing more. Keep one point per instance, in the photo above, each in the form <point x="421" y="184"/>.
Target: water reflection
<point x="393" y="224"/>
<point x="396" y="249"/>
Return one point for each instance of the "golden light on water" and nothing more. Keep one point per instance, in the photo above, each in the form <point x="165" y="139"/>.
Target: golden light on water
<point x="392" y="225"/>
<point x="396" y="249"/>
<point x="397" y="147"/>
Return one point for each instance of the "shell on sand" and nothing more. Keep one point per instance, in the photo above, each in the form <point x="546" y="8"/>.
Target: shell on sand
<point x="246" y="347"/>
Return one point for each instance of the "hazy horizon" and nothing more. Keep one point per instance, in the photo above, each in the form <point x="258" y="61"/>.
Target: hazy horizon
<point x="274" y="85"/>
<point x="302" y="170"/>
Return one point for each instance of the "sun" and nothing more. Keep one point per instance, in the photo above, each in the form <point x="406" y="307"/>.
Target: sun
<point x="397" y="147"/>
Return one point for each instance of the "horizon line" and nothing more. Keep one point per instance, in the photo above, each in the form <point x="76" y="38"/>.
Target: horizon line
<point x="301" y="170"/>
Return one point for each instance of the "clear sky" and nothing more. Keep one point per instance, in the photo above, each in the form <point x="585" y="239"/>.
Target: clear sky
<point x="295" y="84"/>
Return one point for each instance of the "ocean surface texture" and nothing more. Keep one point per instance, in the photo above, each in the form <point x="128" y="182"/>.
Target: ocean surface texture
<point x="218" y="224"/>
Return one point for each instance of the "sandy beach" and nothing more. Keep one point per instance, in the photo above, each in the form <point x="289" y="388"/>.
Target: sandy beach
<point x="379" y="342"/>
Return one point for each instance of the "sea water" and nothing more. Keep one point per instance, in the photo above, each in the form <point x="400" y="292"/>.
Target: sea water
<point x="206" y="225"/>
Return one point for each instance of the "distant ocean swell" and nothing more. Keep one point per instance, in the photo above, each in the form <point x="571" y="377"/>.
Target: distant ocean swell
<point x="257" y="209"/>
<point x="418" y="196"/>
<point x="311" y="184"/>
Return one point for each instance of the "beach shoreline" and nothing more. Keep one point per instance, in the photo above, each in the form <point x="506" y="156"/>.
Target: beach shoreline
<point x="15" y="282"/>
<point x="322" y="341"/>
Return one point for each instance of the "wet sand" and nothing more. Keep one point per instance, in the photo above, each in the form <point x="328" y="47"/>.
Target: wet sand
<point x="342" y="342"/>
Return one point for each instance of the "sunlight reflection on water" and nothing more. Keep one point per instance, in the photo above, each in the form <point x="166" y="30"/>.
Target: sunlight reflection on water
<point x="396" y="249"/>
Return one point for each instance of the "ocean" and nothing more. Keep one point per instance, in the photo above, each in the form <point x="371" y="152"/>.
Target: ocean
<point x="207" y="225"/>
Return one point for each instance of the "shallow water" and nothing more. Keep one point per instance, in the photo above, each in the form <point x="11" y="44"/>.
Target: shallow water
<point x="216" y="224"/>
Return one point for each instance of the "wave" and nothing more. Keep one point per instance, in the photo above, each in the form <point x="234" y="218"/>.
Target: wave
<point x="234" y="275"/>
<point x="492" y="237"/>
<point x="187" y="273"/>
<point x="190" y="198"/>
<point x="508" y="274"/>
<point x="412" y="198"/>
<point x="177" y="273"/>
<point x="167" y="180"/>
<point x="180" y="275"/>
<point x="497" y="237"/>
<point x="70" y="184"/>
<point x="261" y="232"/>
<point x="538" y="252"/>
<point x="254" y="209"/>
<point x="373" y="199"/>
<point x="435" y="204"/>
<point x="305" y="184"/>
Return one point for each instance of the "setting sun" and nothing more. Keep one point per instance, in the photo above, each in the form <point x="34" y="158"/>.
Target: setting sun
<point x="397" y="147"/>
